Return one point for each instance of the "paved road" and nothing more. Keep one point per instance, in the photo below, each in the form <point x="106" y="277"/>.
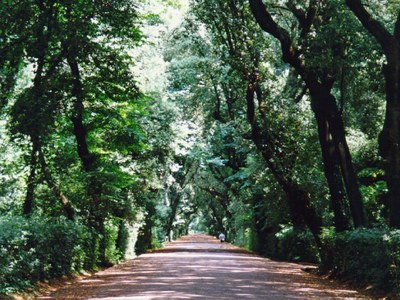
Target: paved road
<point x="200" y="267"/>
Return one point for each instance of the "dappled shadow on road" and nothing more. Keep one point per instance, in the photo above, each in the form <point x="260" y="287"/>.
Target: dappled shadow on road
<point x="209" y="271"/>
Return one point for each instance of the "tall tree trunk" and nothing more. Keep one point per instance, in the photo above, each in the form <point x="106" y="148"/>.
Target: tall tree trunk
<point x="43" y="35"/>
<point x="298" y="200"/>
<point x="88" y="159"/>
<point x="145" y="234"/>
<point x="80" y="132"/>
<point x="260" y="226"/>
<point x="42" y="45"/>
<point x="332" y="174"/>
<point x="120" y="242"/>
<point x="335" y="152"/>
<point x="327" y="114"/>
<point x="389" y="138"/>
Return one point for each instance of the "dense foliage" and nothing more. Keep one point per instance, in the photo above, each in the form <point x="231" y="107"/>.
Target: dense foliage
<point x="37" y="249"/>
<point x="127" y="123"/>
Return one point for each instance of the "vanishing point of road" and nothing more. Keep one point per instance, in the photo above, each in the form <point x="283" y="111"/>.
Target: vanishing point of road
<point x="200" y="267"/>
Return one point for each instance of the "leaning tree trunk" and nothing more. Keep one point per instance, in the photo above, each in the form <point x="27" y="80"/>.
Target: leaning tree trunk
<point x="325" y="109"/>
<point x="335" y="151"/>
<point x="88" y="159"/>
<point x="298" y="200"/>
<point x="37" y="94"/>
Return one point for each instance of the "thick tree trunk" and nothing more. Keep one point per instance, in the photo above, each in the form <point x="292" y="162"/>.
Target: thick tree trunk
<point x="120" y="242"/>
<point x="42" y="45"/>
<point x="145" y="234"/>
<point x="260" y="226"/>
<point x="333" y="176"/>
<point x="349" y="175"/>
<point x="335" y="152"/>
<point x="389" y="139"/>
<point x="301" y="210"/>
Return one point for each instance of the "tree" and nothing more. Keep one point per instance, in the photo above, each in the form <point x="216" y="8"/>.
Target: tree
<point x="335" y="151"/>
<point x="225" y="87"/>
<point x="389" y="138"/>
<point x="81" y="78"/>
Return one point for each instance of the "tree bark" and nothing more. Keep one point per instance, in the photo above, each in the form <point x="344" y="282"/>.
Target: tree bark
<point x="145" y="234"/>
<point x="333" y="177"/>
<point x="298" y="200"/>
<point x="389" y="140"/>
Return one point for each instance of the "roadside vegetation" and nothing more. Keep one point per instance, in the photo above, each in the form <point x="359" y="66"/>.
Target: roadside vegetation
<point x="128" y="123"/>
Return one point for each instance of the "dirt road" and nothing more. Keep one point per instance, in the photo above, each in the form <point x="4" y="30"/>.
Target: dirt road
<point x="200" y="267"/>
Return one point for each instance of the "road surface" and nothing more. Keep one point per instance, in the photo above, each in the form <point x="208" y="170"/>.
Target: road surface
<point x="200" y="267"/>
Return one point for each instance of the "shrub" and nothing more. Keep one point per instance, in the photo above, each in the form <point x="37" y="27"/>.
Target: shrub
<point x="392" y="239"/>
<point x="296" y="245"/>
<point x="365" y="257"/>
<point x="37" y="249"/>
<point x="112" y="232"/>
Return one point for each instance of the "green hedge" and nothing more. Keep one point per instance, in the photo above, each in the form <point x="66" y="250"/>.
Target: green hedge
<point x="365" y="257"/>
<point x="36" y="249"/>
<point x="295" y="245"/>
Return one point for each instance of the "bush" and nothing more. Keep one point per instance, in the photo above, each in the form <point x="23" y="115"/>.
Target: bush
<point x="295" y="245"/>
<point x="365" y="257"/>
<point x="393" y="242"/>
<point x="37" y="249"/>
<point x="116" y="236"/>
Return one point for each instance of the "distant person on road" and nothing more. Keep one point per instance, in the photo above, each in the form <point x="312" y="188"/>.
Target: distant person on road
<point x="221" y="237"/>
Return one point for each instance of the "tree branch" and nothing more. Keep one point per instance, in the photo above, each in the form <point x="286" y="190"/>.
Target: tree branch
<point x="267" y="23"/>
<point x="374" y="27"/>
<point x="290" y="54"/>
<point x="297" y="12"/>
<point x="305" y="19"/>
